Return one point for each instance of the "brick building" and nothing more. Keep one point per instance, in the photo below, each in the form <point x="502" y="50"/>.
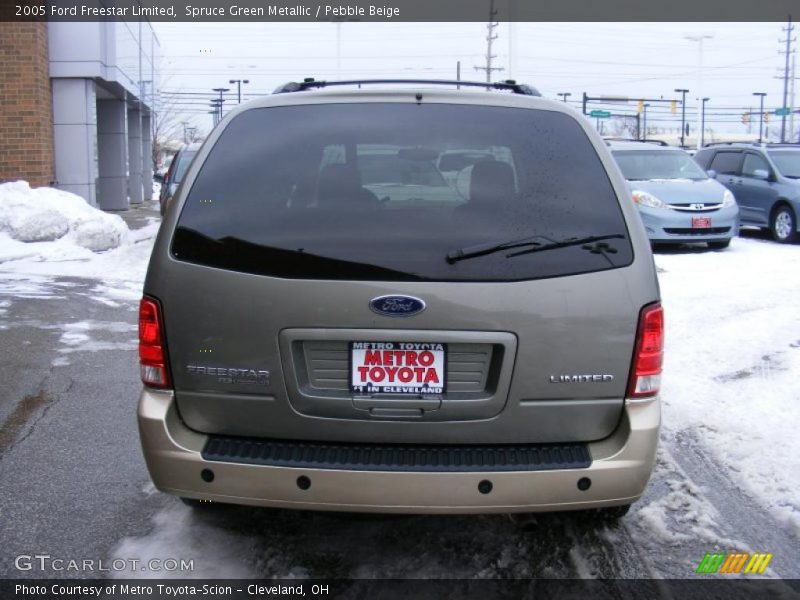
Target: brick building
<point x="26" y="105"/>
<point x="75" y="108"/>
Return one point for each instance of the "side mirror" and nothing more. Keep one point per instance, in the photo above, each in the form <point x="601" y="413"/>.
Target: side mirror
<point x="761" y="174"/>
<point x="711" y="173"/>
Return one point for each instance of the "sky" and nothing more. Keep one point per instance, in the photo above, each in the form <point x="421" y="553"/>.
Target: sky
<point x="635" y="60"/>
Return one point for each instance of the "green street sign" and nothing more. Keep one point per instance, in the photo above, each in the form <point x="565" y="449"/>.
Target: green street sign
<point x="600" y="114"/>
<point x="782" y="112"/>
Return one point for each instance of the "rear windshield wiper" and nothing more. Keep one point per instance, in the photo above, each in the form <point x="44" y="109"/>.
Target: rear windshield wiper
<point x="530" y="245"/>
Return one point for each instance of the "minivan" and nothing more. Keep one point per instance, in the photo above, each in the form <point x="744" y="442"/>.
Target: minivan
<point x="331" y="323"/>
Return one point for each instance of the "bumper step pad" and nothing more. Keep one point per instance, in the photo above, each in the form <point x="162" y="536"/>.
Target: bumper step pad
<point x="378" y="457"/>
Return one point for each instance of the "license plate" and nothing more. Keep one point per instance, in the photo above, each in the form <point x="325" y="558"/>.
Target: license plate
<point x="701" y="222"/>
<point x="398" y="367"/>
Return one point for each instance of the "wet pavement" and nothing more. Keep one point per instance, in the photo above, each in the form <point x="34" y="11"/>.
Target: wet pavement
<point x="73" y="483"/>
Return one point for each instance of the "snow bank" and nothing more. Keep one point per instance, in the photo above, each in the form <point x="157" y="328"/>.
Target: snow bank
<point x="732" y="355"/>
<point x="30" y="215"/>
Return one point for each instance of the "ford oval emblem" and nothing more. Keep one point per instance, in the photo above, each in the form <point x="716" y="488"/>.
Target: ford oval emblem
<point x="397" y="306"/>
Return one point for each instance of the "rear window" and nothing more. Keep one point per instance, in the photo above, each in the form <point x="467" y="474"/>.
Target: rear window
<point x="787" y="161"/>
<point x="184" y="160"/>
<point x="357" y="192"/>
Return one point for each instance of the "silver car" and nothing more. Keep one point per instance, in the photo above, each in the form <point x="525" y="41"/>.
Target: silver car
<point x="329" y="323"/>
<point x="678" y="202"/>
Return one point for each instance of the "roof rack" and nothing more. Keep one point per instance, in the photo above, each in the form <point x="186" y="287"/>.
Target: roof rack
<point x="309" y="83"/>
<point x="758" y="144"/>
<point x="622" y="139"/>
<point x="745" y="143"/>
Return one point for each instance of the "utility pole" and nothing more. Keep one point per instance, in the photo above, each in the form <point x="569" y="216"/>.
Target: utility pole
<point x="703" y="123"/>
<point x="760" y="115"/>
<point x="491" y="36"/>
<point x="683" y="115"/>
<point x="788" y="29"/>
<point x="512" y="41"/>
<point x="184" y="123"/>
<point x="791" y="101"/>
<point x="699" y="39"/>
<point x="564" y="95"/>
<point x="644" y="121"/>
<point x="458" y="73"/>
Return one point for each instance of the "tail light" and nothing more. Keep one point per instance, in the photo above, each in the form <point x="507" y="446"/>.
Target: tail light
<point x="645" y="380"/>
<point x="152" y="347"/>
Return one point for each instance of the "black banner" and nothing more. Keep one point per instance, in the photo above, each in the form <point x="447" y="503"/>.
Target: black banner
<point x="396" y="10"/>
<point x="710" y="588"/>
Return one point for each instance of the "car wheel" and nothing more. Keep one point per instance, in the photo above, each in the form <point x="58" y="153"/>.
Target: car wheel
<point x="783" y="224"/>
<point x="719" y="244"/>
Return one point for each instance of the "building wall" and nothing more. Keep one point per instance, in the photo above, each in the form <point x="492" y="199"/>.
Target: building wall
<point x="102" y="75"/>
<point x="26" y="107"/>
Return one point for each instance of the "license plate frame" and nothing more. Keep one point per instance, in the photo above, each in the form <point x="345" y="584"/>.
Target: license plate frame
<point x="388" y="366"/>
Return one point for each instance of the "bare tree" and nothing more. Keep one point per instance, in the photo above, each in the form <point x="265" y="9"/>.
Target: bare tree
<point x="169" y="124"/>
<point x="624" y="127"/>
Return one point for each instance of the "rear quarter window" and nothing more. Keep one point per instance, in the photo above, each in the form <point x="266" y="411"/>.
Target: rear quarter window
<point x="357" y="191"/>
<point x="726" y="163"/>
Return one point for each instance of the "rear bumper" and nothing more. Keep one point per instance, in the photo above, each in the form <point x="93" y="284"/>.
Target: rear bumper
<point x="621" y="466"/>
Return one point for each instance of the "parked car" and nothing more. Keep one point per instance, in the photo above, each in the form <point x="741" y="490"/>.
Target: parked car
<point x="161" y="172"/>
<point x="307" y="342"/>
<point x="177" y="169"/>
<point x="678" y="202"/>
<point x="766" y="181"/>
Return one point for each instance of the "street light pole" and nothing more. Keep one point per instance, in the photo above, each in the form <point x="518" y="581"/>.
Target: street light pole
<point x="760" y="115"/>
<point x="644" y="128"/>
<point x="564" y="95"/>
<point x="703" y="123"/>
<point x="217" y="106"/>
<point x="221" y="100"/>
<point x="239" y="83"/>
<point x="683" y="115"/>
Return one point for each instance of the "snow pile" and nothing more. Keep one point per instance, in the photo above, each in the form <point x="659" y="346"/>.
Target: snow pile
<point x="48" y="215"/>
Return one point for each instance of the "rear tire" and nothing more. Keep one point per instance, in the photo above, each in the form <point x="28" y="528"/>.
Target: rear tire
<point x="612" y="513"/>
<point x="195" y="503"/>
<point x="783" y="224"/>
<point x="719" y="244"/>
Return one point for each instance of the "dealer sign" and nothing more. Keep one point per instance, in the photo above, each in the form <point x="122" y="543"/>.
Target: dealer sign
<point x="397" y="367"/>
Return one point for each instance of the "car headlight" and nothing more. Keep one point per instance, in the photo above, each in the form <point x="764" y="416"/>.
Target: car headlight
<point x="728" y="199"/>
<point x="646" y="199"/>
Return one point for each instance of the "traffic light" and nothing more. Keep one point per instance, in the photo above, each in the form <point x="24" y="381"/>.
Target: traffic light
<point x="673" y="107"/>
<point x="746" y="117"/>
<point x="640" y="107"/>
<point x="766" y="117"/>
